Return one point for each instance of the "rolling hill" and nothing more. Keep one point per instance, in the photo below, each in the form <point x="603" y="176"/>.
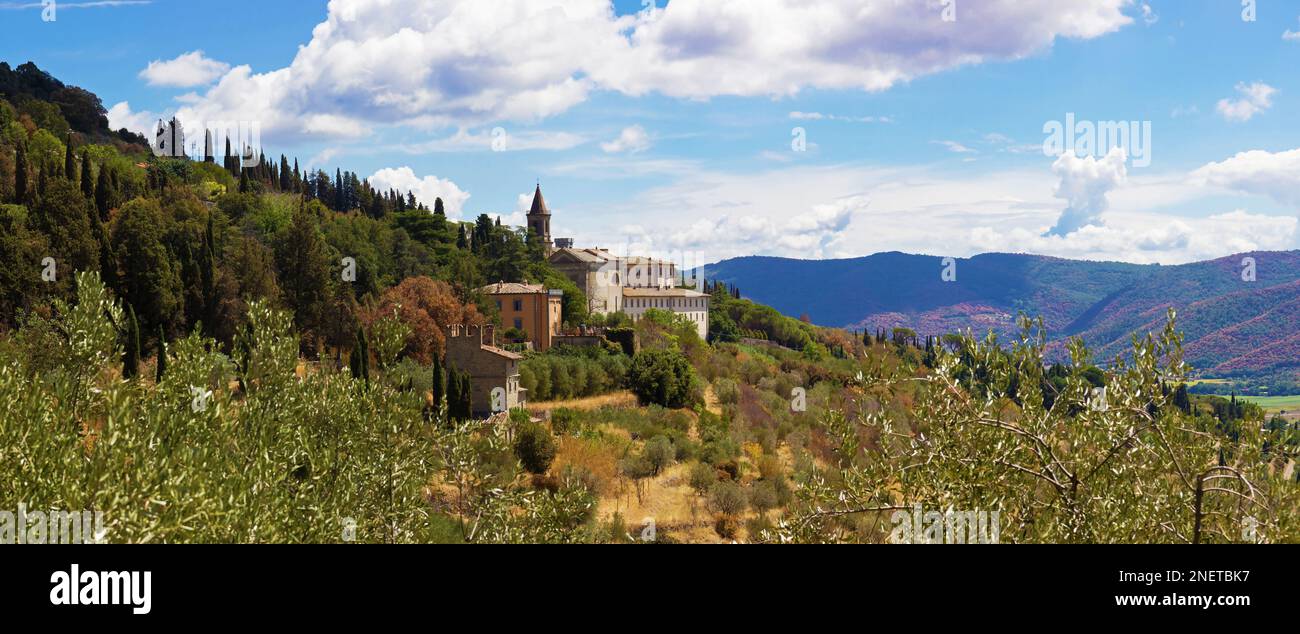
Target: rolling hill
<point x="1232" y="327"/>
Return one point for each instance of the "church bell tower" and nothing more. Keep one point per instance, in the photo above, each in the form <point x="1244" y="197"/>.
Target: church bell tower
<point x="539" y="219"/>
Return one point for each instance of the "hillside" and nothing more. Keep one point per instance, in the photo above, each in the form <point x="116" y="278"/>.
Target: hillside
<point x="1232" y="328"/>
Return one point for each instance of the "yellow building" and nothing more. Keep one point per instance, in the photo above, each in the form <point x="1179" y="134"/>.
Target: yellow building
<point x="530" y="308"/>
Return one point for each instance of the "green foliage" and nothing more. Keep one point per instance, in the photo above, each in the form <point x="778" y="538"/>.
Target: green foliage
<point x="662" y="377"/>
<point x="560" y="374"/>
<point x="535" y="447"/>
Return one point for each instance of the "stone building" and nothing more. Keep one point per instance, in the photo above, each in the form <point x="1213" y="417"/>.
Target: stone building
<point x="473" y="349"/>
<point x="530" y="308"/>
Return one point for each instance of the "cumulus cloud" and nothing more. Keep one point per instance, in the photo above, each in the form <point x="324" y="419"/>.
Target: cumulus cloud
<point x="1084" y="185"/>
<point x="187" y="70"/>
<point x="426" y="189"/>
<point x="466" y="62"/>
<point x="1273" y="174"/>
<point x="632" y="139"/>
<point x="1146" y="238"/>
<point x="120" y="115"/>
<point x="1255" y="98"/>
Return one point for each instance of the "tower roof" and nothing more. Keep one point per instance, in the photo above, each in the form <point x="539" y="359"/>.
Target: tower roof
<point x="539" y="204"/>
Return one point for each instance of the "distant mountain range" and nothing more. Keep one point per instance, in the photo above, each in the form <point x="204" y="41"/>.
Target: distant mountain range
<point x="1233" y="328"/>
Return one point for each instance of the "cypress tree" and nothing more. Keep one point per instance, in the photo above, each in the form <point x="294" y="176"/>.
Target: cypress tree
<point x="439" y="382"/>
<point x="131" y="356"/>
<point x="466" y="401"/>
<point x="360" y="359"/>
<point x="162" y="355"/>
<point x="244" y="185"/>
<point x="69" y="161"/>
<point x="340" y="192"/>
<point x="20" y="176"/>
<point x="87" y="180"/>
<point x="462" y="241"/>
<point x="104" y="192"/>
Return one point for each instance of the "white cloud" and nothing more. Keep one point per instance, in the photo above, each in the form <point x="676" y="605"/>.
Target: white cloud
<point x="1149" y="15"/>
<point x="1291" y="36"/>
<point x="632" y="139"/>
<point x="1085" y="182"/>
<point x="121" y="116"/>
<point x="955" y="147"/>
<point x="1255" y="98"/>
<point x="466" y="62"/>
<point x="189" y="69"/>
<point x="426" y="189"/>
<point x="805" y="211"/>
<point x="819" y="116"/>
<point x="1273" y="174"/>
<point x="505" y="141"/>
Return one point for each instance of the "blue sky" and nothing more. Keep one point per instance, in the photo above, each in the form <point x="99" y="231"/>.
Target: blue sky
<point x="671" y="131"/>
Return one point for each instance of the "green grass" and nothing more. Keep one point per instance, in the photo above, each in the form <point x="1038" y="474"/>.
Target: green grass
<point x="1272" y="404"/>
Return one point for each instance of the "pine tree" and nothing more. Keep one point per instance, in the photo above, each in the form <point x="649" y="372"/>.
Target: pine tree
<point x="162" y="355"/>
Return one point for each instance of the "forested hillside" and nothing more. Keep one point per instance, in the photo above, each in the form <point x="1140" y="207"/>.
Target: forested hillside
<point x="1233" y="327"/>
<point x="188" y="244"/>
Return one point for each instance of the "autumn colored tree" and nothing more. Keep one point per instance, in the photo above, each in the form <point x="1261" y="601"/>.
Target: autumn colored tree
<point x="428" y="306"/>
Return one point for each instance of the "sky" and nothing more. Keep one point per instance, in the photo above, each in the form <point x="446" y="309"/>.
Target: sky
<point x="708" y="129"/>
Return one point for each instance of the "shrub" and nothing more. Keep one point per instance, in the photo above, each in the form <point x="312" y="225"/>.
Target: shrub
<point x="662" y="377"/>
<point x="727" y="499"/>
<point x="702" y="477"/>
<point x="534" y="447"/>
<point x="660" y="453"/>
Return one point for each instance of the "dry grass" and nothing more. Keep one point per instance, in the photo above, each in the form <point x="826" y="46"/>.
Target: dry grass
<point x="612" y="399"/>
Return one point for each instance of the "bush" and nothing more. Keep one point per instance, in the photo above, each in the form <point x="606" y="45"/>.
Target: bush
<point x="534" y="447"/>
<point x="703" y="477"/>
<point x="564" y="421"/>
<point x="662" y="377"/>
<point x="727" y="499"/>
<point x="660" y="452"/>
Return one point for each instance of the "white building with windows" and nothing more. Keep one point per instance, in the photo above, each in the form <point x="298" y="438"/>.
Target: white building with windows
<point x="692" y="305"/>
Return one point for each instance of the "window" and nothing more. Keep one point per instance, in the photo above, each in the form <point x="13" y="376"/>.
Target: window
<point x="498" y="304"/>
<point x="519" y="305"/>
<point x="519" y="324"/>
